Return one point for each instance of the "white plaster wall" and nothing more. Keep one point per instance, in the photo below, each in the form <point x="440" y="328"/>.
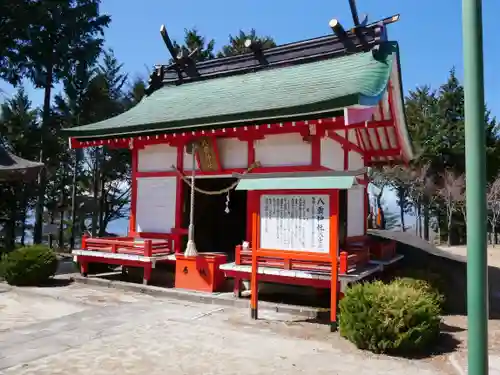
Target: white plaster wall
<point x="283" y="150"/>
<point x="355" y="161"/>
<point x="355" y="211"/>
<point x="188" y="162"/>
<point x="155" y="207"/>
<point x="355" y="198"/>
<point x="351" y="136"/>
<point x="157" y="158"/>
<point x="332" y="154"/>
<point x="233" y="153"/>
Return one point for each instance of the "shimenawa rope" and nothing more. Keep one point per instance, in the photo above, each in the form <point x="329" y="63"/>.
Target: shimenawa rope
<point x="217" y="192"/>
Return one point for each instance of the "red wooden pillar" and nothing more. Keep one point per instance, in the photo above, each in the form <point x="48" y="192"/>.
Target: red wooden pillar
<point x="334" y="249"/>
<point x="133" y="192"/>
<point x="250" y="194"/>
<point x="179" y="199"/>
<point x="254" y="284"/>
<point x="366" y="205"/>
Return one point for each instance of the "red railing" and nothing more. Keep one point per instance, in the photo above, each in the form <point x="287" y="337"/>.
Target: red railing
<point x="347" y="262"/>
<point x="355" y="254"/>
<point x="127" y="245"/>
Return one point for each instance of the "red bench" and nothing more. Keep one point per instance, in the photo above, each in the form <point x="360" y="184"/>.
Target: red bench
<point x="360" y="257"/>
<point x="143" y="251"/>
<point x="354" y="257"/>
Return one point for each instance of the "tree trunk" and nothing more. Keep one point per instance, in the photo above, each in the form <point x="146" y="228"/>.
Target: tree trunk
<point x="51" y="236"/>
<point x="102" y="208"/>
<point x="23" y="215"/>
<point x="419" y="216"/>
<point x="102" y="195"/>
<point x="449" y="228"/>
<point x="95" y="187"/>
<point x="60" y="238"/>
<point x="10" y="233"/>
<point x="42" y="177"/>
<point x="402" y="218"/>
<point x="401" y="197"/>
<point x="426" y="219"/>
<point x="62" y="209"/>
<point x="73" y="199"/>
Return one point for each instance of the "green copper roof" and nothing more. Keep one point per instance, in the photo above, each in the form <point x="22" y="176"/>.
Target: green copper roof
<point x="297" y="183"/>
<point x="319" y="88"/>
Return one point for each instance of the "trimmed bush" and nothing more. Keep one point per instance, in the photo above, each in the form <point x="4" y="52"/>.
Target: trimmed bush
<point x="31" y="265"/>
<point x="402" y="317"/>
<point x="435" y="280"/>
<point x="423" y="286"/>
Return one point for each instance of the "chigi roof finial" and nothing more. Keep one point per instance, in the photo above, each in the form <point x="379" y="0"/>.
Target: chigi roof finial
<point x="361" y="30"/>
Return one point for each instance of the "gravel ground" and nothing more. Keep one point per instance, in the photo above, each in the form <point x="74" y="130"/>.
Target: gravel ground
<point x="81" y="330"/>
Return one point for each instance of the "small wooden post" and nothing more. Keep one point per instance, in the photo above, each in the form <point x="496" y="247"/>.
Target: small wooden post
<point x="148" y="268"/>
<point x="148" y="251"/>
<point x="84" y="267"/>
<point x="343" y="262"/>
<point x="84" y="242"/>
<point x="148" y="248"/>
<point x="237" y="254"/>
<point x="254" y="284"/>
<point x="237" y="287"/>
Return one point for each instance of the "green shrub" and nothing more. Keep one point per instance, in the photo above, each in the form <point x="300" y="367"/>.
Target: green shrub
<point x="31" y="265"/>
<point x="395" y="318"/>
<point x="424" y="286"/>
<point x="435" y="281"/>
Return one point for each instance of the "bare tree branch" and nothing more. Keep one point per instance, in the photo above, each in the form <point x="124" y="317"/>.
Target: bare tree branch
<point x="452" y="192"/>
<point x="493" y="205"/>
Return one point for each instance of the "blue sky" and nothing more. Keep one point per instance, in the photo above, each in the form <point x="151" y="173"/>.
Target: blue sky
<point x="429" y="32"/>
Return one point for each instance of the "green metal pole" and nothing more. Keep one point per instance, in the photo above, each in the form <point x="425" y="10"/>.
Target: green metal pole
<point x="475" y="160"/>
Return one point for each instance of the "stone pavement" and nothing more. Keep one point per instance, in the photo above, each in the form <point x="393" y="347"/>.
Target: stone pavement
<point x="459" y="362"/>
<point x="105" y="331"/>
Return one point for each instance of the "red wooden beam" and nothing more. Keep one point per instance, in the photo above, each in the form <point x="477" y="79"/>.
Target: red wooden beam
<point x="345" y="142"/>
<point x="370" y="144"/>
<point x="393" y="114"/>
<point x="394" y="152"/>
<point x="247" y="132"/>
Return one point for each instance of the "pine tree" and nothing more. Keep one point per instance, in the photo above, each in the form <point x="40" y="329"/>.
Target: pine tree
<point x="64" y="31"/>
<point x="236" y="44"/>
<point x="19" y="134"/>
<point x="194" y="41"/>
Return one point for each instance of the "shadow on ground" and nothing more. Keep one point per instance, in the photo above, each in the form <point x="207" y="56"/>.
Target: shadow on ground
<point x="56" y="283"/>
<point x="164" y="276"/>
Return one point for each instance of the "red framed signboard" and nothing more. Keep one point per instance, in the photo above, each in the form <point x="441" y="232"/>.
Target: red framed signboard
<point x="295" y="225"/>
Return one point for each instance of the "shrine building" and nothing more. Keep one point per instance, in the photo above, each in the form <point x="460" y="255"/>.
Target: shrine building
<point x="280" y="140"/>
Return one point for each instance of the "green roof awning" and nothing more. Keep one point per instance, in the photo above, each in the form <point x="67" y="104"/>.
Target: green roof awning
<point x="297" y="183"/>
<point x="320" y="88"/>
